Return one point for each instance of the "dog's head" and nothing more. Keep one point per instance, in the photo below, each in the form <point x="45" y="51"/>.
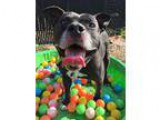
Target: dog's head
<point x="77" y="35"/>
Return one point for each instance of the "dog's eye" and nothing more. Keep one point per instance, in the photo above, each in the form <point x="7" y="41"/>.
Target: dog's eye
<point x="92" y="25"/>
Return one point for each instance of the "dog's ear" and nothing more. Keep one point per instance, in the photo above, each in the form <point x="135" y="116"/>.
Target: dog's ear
<point x="103" y="20"/>
<point x="53" y="12"/>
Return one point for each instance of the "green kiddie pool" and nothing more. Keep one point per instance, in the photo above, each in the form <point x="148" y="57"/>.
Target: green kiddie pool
<point x="116" y="72"/>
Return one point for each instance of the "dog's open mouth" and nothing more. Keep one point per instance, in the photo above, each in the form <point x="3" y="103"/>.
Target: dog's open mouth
<point x="74" y="57"/>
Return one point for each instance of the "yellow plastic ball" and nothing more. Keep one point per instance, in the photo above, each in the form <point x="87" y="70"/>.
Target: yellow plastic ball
<point x="110" y="118"/>
<point x="46" y="93"/>
<point x="99" y="118"/>
<point x="37" y="100"/>
<point x="59" y="80"/>
<point x="111" y="106"/>
<point x="37" y="76"/>
<point x="116" y="114"/>
<point x="44" y="63"/>
<point x="37" y="118"/>
<point x="53" y="60"/>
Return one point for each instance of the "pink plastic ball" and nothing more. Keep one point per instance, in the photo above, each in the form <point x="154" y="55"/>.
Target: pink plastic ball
<point x="52" y="112"/>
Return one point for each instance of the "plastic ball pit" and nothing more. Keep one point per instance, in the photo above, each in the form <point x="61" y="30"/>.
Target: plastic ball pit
<point x="116" y="73"/>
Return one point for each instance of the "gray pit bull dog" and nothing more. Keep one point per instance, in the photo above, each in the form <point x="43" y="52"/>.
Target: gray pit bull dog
<point x="82" y="43"/>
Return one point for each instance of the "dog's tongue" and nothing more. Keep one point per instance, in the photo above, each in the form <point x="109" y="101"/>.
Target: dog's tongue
<point x="74" y="57"/>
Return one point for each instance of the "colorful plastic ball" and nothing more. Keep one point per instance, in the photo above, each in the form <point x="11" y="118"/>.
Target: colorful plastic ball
<point x="52" y="112"/>
<point x="84" y="81"/>
<point x="53" y="60"/>
<point x="53" y="69"/>
<point x="38" y="91"/>
<point x="46" y="80"/>
<point x="99" y="118"/>
<point x="111" y="118"/>
<point x="116" y="114"/>
<point x="120" y="103"/>
<point x="92" y="90"/>
<point x="77" y="86"/>
<point x="77" y="81"/>
<point x="100" y="111"/>
<point x="54" y="96"/>
<point x="42" y="109"/>
<point x="59" y="80"/>
<point x="74" y="99"/>
<point x="107" y="98"/>
<point x="52" y="102"/>
<point x="37" y="75"/>
<point x="45" y="117"/>
<point x="37" y="118"/>
<point x="111" y="106"/>
<point x="74" y="91"/>
<point x="82" y="100"/>
<point x="44" y="63"/>
<point x="46" y="93"/>
<point x="37" y="100"/>
<point x="92" y="104"/>
<point x="59" y="91"/>
<point x="80" y="109"/>
<point x="37" y="106"/>
<point x="46" y="72"/>
<point x="41" y="75"/>
<point x="71" y="107"/>
<point x="42" y="85"/>
<point x="89" y="96"/>
<point x="50" y="88"/>
<point x="58" y="72"/>
<point x="117" y="88"/>
<point x="100" y="103"/>
<point x="44" y="100"/>
<point x="48" y="67"/>
<point x="82" y="92"/>
<point x="90" y="113"/>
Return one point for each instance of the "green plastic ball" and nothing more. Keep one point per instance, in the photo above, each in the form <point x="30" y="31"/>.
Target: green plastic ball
<point x="74" y="91"/>
<point x="42" y="85"/>
<point x="100" y="111"/>
<point x="43" y="108"/>
<point x="91" y="103"/>
<point x="53" y="69"/>
<point x="120" y="103"/>
<point x="80" y="109"/>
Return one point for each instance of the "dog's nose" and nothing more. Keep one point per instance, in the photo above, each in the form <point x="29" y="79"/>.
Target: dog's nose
<point x="76" y="29"/>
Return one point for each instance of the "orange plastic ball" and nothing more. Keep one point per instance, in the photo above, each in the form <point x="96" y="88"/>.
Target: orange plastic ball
<point x="74" y="99"/>
<point x="50" y="88"/>
<point x="59" y="91"/>
<point x="53" y="96"/>
<point x="82" y="92"/>
<point x="71" y="107"/>
<point x="89" y="96"/>
<point x="82" y="100"/>
<point x="37" y="107"/>
<point x="44" y="100"/>
<point x="45" y="117"/>
<point x="84" y="81"/>
<point x="41" y="75"/>
<point x="100" y="103"/>
<point x="77" y="86"/>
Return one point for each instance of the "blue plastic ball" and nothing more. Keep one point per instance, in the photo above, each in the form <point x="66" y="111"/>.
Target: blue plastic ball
<point x="58" y="72"/>
<point x="48" y="67"/>
<point x="107" y="98"/>
<point x="77" y="81"/>
<point x="117" y="88"/>
<point x="38" y="91"/>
